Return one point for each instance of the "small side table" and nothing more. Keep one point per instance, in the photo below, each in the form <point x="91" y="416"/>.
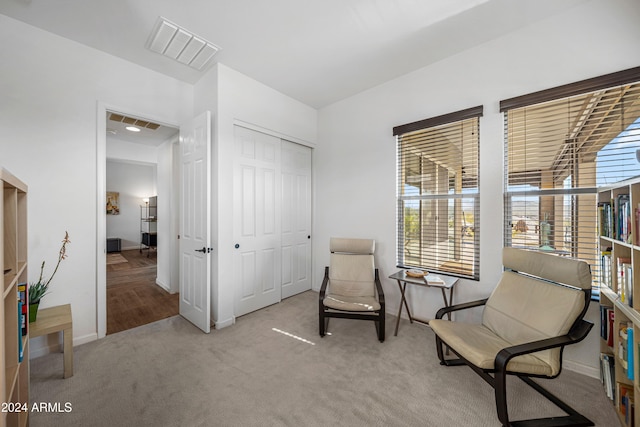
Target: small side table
<point x="56" y="319"/>
<point x="403" y="279"/>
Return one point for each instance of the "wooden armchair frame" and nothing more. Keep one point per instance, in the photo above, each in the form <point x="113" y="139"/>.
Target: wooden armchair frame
<point x="496" y="375"/>
<point x="325" y="313"/>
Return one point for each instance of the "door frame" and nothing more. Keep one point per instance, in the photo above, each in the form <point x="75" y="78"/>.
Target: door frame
<point x="101" y="217"/>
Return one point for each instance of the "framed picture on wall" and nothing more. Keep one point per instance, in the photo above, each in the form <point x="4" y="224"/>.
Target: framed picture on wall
<point x="113" y="203"/>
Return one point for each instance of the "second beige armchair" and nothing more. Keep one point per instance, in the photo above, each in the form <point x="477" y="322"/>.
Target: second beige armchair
<point x="351" y="287"/>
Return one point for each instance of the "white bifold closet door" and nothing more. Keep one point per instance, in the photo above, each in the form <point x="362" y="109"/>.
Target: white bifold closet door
<point x="264" y="256"/>
<point x="296" y="218"/>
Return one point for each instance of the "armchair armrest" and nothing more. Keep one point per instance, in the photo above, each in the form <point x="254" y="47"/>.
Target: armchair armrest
<point x="379" y="288"/>
<point x="577" y="333"/>
<point x="444" y="310"/>
<point x="325" y="282"/>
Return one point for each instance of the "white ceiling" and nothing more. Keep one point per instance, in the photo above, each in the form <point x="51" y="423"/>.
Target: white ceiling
<point x="316" y="51"/>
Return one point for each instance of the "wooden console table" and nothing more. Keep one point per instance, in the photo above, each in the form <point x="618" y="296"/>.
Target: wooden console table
<point x="402" y="278"/>
<point x="56" y="319"/>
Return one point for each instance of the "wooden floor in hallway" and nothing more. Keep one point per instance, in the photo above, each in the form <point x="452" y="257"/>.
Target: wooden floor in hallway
<point x="133" y="298"/>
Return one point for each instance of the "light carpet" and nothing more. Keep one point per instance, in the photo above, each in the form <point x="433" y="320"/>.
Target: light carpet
<point x="272" y="369"/>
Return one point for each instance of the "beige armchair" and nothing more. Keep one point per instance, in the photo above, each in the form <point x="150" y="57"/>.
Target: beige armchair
<point x="536" y="309"/>
<point x="351" y="287"/>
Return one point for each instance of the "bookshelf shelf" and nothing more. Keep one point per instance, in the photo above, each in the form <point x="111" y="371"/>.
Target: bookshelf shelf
<point x="14" y="356"/>
<point x="619" y="243"/>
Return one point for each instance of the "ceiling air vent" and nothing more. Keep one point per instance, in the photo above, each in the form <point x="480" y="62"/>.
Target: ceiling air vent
<point x="177" y="43"/>
<point x="135" y="122"/>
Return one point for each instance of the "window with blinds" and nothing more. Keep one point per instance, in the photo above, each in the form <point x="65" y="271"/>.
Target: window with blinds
<point x="438" y="194"/>
<point x="560" y="146"/>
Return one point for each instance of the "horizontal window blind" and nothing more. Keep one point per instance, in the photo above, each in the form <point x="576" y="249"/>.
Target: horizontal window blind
<point x="557" y="153"/>
<point x="438" y="194"/>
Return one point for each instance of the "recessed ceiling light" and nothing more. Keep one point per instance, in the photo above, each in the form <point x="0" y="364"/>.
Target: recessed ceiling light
<point x="132" y="129"/>
<point x="177" y="43"/>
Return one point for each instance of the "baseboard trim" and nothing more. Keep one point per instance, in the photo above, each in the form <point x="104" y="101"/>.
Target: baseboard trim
<point x="163" y="286"/>
<point x="48" y="346"/>
<point x="581" y="368"/>
<point x="224" y="323"/>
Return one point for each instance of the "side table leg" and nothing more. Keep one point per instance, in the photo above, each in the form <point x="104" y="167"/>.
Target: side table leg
<point x="447" y="303"/>
<point x="395" y="334"/>
<point x="403" y="300"/>
<point x="67" y="337"/>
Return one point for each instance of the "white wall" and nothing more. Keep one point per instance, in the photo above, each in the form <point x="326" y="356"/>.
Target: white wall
<point x="49" y="95"/>
<point x="130" y="152"/>
<point x="133" y="182"/>
<point x="355" y="157"/>
<point x="51" y="89"/>
<point x="235" y="98"/>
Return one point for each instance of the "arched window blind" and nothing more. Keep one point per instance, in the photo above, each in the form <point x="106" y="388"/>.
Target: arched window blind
<point x="438" y="198"/>
<point x="560" y="146"/>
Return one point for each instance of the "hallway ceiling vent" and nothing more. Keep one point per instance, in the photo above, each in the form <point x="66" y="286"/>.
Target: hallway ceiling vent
<point x="131" y="121"/>
<point x="171" y="40"/>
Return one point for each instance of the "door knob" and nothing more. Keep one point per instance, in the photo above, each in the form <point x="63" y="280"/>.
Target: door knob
<point x="236" y="246"/>
<point x="203" y="250"/>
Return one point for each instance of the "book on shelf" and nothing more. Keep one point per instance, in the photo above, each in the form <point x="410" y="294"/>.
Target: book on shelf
<point x="610" y="331"/>
<point x="607" y="374"/>
<point x="22" y="294"/>
<point x="622" y="215"/>
<point x="605" y="268"/>
<point x="628" y="283"/>
<point x="630" y="352"/>
<point x="605" y="219"/>
<point x="19" y="331"/>
<point x="621" y="264"/>
<point x="622" y="347"/>
<point x="625" y="402"/>
<point x="604" y="321"/>
<point x="637" y="230"/>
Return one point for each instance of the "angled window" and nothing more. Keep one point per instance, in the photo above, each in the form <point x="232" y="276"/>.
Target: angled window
<point x="560" y="146"/>
<point x="438" y="197"/>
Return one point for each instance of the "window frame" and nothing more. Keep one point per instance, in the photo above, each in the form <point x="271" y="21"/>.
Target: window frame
<point x="437" y="198"/>
<point x="583" y="87"/>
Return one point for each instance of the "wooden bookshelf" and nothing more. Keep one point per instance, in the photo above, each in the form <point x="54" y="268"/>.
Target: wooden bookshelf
<point x="14" y="384"/>
<point x="619" y="241"/>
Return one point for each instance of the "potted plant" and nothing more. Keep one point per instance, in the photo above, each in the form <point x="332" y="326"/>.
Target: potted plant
<point x="39" y="289"/>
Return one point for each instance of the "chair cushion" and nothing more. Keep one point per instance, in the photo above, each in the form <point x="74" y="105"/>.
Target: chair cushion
<point x="480" y="346"/>
<point x="347" y="303"/>
<point x="352" y="275"/>
<point x="554" y="268"/>
<point x="524" y="309"/>
<point x="352" y="246"/>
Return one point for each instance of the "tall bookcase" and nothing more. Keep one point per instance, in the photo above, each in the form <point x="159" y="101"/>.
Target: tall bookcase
<point x="14" y="387"/>
<point x="619" y="244"/>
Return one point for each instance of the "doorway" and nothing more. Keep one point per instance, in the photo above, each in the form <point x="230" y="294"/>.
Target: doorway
<point x="139" y="167"/>
<point x="133" y="297"/>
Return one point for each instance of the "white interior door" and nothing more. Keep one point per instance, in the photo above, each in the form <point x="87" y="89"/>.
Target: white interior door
<point x="195" y="220"/>
<point x="256" y="225"/>
<point x="296" y="218"/>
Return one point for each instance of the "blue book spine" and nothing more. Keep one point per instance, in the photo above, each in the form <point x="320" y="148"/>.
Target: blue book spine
<point x="630" y="355"/>
<point x="20" y="349"/>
